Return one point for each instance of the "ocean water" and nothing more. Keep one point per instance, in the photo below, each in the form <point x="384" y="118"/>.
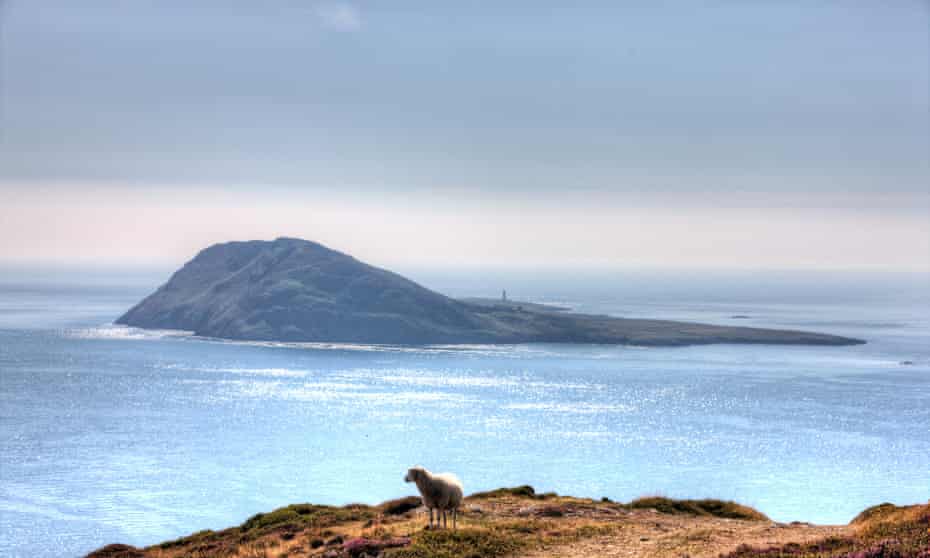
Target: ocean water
<point x="113" y="434"/>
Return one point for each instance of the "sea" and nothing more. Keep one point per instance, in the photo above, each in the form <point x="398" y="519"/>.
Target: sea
<point x="115" y="434"/>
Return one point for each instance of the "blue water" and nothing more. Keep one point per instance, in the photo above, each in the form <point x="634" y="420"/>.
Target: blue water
<point x="114" y="434"/>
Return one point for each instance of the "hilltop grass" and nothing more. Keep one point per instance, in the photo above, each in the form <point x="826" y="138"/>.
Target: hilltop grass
<point x="705" y="507"/>
<point x="525" y="491"/>
<point x="874" y="513"/>
<point x="400" y="506"/>
<point x="882" y="531"/>
<point x="286" y="523"/>
<point x="302" y="515"/>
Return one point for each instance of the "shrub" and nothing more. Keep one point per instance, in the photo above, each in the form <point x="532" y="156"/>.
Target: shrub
<point x="525" y="491"/>
<point x="198" y="537"/>
<point x="307" y="514"/>
<point x="464" y="543"/>
<point x="117" y="551"/>
<point x="716" y="508"/>
<point x="401" y="505"/>
<point x="874" y="512"/>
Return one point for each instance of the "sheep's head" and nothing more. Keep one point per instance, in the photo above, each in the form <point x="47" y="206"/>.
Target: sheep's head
<point x="414" y="473"/>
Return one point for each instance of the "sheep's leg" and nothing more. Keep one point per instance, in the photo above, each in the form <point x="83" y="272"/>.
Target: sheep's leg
<point x="455" y="515"/>
<point x="431" y="517"/>
<point x="445" y="520"/>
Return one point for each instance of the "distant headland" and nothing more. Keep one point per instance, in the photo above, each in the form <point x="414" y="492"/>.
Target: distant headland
<point x="300" y="291"/>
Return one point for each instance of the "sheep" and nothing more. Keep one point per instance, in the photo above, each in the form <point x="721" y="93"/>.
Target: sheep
<point x="442" y="492"/>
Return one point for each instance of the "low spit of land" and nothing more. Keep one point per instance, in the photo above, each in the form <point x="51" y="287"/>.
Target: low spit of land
<point x="517" y="522"/>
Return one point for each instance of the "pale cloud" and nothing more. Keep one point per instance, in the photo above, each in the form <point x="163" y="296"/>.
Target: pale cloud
<point x="126" y="226"/>
<point x="339" y="16"/>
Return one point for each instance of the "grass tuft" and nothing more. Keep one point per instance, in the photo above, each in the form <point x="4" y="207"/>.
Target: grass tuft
<point x="464" y="543"/>
<point x="301" y="515"/>
<point x="400" y="506"/>
<point x="522" y="491"/>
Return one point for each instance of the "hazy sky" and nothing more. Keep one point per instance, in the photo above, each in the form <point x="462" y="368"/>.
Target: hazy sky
<point x="678" y="134"/>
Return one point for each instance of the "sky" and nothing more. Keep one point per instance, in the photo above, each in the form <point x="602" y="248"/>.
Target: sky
<point x="719" y="134"/>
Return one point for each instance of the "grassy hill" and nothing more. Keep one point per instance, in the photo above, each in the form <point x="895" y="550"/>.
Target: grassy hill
<point x="517" y="522"/>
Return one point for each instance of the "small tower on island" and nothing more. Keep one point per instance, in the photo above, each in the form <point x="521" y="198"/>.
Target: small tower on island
<point x="504" y="295"/>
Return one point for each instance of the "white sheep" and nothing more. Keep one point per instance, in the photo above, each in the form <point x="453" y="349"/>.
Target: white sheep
<point x="442" y="492"/>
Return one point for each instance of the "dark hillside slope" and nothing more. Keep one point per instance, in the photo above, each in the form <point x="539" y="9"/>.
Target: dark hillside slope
<point x="295" y="290"/>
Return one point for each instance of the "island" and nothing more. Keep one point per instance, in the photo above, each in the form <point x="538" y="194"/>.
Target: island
<point x="294" y="290"/>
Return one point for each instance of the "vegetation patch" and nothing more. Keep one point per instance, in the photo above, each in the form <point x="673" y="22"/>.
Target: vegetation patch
<point x="885" y="531"/>
<point x="706" y="507"/>
<point x="400" y="506"/>
<point x="199" y="536"/>
<point x="522" y="491"/>
<point x="589" y="531"/>
<point x="206" y="542"/>
<point x="117" y="551"/>
<point x="310" y="515"/>
<point x="464" y="543"/>
<point x="873" y="513"/>
<point x="360" y="547"/>
<point x="909" y="526"/>
<point x="832" y="546"/>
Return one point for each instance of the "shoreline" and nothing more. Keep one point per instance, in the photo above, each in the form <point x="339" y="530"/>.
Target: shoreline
<point x="136" y="333"/>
